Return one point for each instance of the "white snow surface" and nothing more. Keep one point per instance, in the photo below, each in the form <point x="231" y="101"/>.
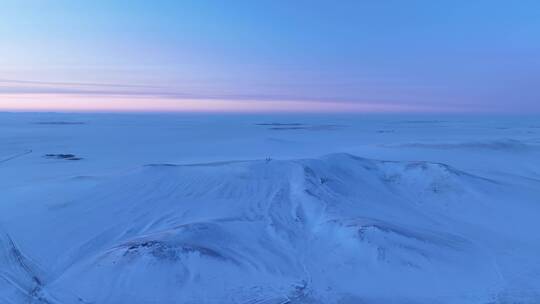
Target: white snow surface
<point x="253" y="209"/>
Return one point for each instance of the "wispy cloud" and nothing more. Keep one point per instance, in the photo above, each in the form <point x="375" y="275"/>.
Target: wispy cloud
<point x="130" y="103"/>
<point x="25" y="95"/>
<point x="14" y="82"/>
<point x="9" y="86"/>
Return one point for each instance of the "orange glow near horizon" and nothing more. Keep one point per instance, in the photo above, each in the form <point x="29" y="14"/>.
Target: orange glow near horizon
<point x="126" y="103"/>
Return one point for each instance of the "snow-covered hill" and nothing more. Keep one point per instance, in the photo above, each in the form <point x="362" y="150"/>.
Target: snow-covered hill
<point x="332" y="229"/>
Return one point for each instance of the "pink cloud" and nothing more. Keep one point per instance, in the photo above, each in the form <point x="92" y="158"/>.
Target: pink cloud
<point x="135" y="103"/>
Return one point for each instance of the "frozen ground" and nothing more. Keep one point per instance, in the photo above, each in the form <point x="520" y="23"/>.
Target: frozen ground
<point x="258" y="209"/>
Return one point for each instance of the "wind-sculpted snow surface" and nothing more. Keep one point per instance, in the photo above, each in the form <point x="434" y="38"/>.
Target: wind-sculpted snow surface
<point x="186" y="209"/>
<point x="340" y="229"/>
<point x="20" y="279"/>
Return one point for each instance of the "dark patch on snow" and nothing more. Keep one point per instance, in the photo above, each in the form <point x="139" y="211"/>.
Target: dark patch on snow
<point x="280" y="124"/>
<point x="309" y="128"/>
<point x="300" y="126"/>
<point x="422" y="121"/>
<point x="161" y="165"/>
<point x="169" y="251"/>
<point x="62" y="156"/>
<point x="60" y="123"/>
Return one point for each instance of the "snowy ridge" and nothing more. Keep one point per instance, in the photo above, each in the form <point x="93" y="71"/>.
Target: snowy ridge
<point x="328" y="230"/>
<point x="20" y="279"/>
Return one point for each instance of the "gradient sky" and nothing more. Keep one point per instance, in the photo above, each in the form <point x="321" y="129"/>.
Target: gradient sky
<point x="243" y="56"/>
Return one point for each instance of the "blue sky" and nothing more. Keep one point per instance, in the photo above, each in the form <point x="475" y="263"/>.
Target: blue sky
<point x="436" y="56"/>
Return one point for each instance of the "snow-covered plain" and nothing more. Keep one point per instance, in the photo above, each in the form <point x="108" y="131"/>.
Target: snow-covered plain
<point x="111" y="208"/>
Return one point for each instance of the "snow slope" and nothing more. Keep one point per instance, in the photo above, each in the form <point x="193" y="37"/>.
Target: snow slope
<point x="338" y="228"/>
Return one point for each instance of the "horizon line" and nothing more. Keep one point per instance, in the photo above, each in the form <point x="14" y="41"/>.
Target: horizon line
<point x="54" y="102"/>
